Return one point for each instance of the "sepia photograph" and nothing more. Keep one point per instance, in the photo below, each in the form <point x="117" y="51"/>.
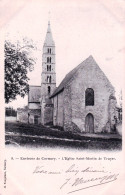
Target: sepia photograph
<point x="62" y="97"/>
<point x="73" y="96"/>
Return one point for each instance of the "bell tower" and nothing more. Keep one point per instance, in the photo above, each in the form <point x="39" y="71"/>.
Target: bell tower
<point x="48" y="77"/>
<point x="48" y="81"/>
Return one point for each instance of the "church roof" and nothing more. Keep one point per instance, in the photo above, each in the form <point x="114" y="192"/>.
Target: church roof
<point x="34" y="94"/>
<point x="67" y="78"/>
<point x="49" y="38"/>
<point x="70" y="75"/>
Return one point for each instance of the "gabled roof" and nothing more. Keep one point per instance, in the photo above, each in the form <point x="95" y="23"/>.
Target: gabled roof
<point x="34" y="94"/>
<point x="69" y="76"/>
<point x="89" y="60"/>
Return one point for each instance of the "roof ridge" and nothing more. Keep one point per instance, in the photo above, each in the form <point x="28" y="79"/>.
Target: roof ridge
<point x="69" y="75"/>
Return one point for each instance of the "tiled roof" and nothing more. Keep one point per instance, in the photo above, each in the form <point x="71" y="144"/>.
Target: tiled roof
<point x="34" y="94"/>
<point x="70" y="75"/>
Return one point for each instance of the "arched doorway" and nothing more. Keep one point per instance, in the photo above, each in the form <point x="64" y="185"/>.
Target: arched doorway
<point x="89" y="123"/>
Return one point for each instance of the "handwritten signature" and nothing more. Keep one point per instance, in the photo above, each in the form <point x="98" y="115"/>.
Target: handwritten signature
<point x="80" y="179"/>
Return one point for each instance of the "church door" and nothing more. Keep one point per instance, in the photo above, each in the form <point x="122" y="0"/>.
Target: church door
<point x="36" y="119"/>
<point x="89" y="123"/>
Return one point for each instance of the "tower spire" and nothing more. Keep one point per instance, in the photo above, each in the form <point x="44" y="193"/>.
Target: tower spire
<point x="49" y="29"/>
<point x="49" y="38"/>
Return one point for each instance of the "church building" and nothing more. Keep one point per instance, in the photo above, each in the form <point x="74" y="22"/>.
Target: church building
<point x="84" y="101"/>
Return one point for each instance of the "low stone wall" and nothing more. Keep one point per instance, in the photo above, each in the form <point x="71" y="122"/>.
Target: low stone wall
<point x="22" y="115"/>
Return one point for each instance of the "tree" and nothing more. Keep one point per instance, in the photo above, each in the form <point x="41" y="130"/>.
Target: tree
<point x="18" y="62"/>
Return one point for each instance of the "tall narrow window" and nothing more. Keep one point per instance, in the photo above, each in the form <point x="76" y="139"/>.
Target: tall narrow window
<point x="49" y="89"/>
<point x="50" y="59"/>
<point x="47" y="79"/>
<point x="89" y="97"/>
<point x="50" y="79"/>
<point x="47" y="59"/>
<point x="47" y="67"/>
<point x="50" y="50"/>
<point x="50" y="68"/>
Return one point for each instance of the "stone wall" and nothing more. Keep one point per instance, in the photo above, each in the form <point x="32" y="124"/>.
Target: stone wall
<point x="113" y="115"/>
<point x="48" y="114"/>
<point x="89" y="76"/>
<point x="67" y="108"/>
<point x="22" y="115"/>
<point x="44" y="86"/>
<point x="58" y="112"/>
<point x="54" y="100"/>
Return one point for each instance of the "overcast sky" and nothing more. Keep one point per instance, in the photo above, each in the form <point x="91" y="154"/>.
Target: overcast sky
<point x="80" y="28"/>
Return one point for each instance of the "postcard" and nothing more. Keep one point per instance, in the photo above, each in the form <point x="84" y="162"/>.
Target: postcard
<point x="61" y="97"/>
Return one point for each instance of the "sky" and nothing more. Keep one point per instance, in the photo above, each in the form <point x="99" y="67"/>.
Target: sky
<point x="80" y="28"/>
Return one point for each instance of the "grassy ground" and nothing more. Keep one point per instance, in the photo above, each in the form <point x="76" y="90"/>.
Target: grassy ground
<point x="38" y="135"/>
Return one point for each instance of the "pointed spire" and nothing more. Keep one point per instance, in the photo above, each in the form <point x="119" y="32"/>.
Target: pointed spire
<point x="49" y="29"/>
<point x="49" y="39"/>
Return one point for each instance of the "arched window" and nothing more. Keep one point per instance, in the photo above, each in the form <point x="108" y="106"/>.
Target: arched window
<point x="50" y="79"/>
<point x="49" y="89"/>
<point x="47" y="59"/>
<point x="47" y="79"/>
<point x="89" y="97"/>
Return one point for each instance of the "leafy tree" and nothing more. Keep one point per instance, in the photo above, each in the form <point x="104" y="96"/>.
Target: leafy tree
<point x="18" y="62"/>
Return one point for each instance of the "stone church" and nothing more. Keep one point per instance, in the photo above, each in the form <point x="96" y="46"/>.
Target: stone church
<point x="84" y="101"/>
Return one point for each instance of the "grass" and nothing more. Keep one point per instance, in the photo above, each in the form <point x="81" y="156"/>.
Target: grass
<point x="40" y="130"/>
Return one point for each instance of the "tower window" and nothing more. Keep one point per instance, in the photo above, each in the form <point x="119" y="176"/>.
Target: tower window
<point x="48" y="67"/>
<point x="47" y="59"/>
<point x="49" y="89"/>
<point x="89" y="97"/>
<point x="49" y="50"/>
<point x="48" y="79"/>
